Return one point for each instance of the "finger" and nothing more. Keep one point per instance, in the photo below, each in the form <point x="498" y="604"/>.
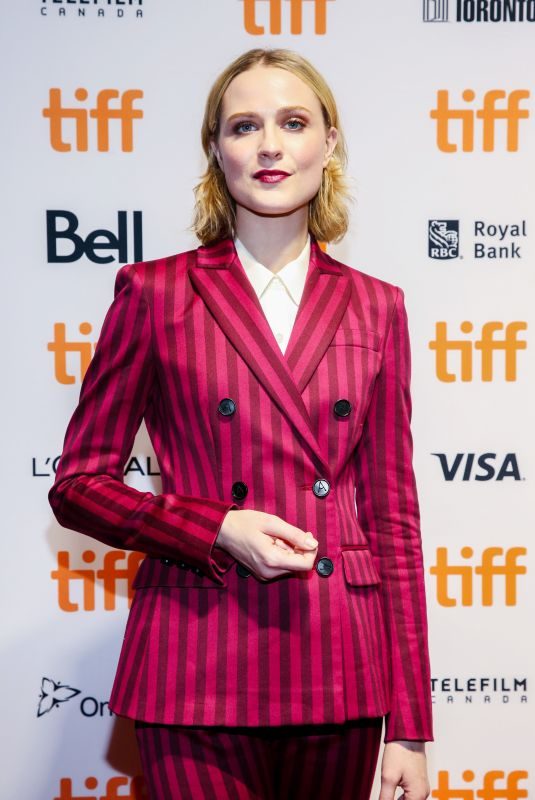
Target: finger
<point x="282" y="544"/>
<point x="282" y="529"/>
<point x="280" y="559"/>
<point x="388" y="788"/>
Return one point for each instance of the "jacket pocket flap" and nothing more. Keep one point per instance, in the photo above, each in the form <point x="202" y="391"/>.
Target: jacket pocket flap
<point x="357" y="338"/>
<point x="359" y="567"/>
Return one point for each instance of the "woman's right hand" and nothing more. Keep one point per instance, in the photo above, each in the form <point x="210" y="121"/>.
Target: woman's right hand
<point x="266" y="544"/>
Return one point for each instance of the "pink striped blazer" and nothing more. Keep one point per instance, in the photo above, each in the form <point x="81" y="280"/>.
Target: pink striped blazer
<point x="237" y="424"/>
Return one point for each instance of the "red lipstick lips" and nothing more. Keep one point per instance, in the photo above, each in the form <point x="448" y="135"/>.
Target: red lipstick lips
<point x="270" y="175"/>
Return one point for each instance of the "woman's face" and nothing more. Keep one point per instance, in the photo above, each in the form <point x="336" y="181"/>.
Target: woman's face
<point x="273" y="143"/>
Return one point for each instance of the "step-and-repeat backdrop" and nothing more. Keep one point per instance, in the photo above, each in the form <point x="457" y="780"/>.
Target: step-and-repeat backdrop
<point x="100" y="149"/>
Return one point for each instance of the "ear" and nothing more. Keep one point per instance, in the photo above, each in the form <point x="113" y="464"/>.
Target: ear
<point x="215" y="151"/>
<point x="330" y="144"/>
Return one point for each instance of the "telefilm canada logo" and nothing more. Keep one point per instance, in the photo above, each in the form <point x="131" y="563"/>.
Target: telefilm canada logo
<point x="55" y="694"/>
<point x="89" y="9"/>
<point x="451" y="690"/>
<point x="479" y="11"/>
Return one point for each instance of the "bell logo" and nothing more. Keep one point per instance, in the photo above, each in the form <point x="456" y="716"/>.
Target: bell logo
<point x="61" y="227"/>
<point x="487" y="345"/>
<point x="488" y="570"/>
<point x="510" y="113"/>
<point x="108" y="576"/>
<point x="275" y="16"/>
<point x="56" y="112"/>
<point x="135" y="789"/>
<point x="490" y="790"/>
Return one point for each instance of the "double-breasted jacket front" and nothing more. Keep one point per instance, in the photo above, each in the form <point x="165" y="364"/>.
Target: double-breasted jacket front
<point x="206" y="644"/>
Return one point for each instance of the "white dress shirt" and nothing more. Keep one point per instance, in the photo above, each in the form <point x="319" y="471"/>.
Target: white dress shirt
<point x="279" y="292"/>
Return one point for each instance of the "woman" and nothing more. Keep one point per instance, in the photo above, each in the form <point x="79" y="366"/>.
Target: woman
<point x="272" y="629"/>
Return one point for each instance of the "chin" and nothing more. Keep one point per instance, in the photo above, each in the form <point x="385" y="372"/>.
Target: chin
<point x="273" y="209"/>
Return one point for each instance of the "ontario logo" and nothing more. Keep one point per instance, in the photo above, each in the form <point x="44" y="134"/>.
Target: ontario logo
<point x="443" y="239"/>
<point x="53" y="695"/>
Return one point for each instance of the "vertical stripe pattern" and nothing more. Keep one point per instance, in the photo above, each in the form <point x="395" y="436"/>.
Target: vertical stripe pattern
<point x="288" y="763"/>
<point x="207" y="646"/>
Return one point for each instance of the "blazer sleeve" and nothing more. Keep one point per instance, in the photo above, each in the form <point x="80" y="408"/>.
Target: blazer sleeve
<point x="89" y="494"/>
<point x="387" y="507"/>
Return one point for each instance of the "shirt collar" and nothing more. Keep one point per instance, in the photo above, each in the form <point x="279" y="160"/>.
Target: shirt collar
<point x="293" y="275"/>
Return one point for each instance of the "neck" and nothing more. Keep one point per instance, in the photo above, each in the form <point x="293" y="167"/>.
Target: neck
<point x="273" y="241"/>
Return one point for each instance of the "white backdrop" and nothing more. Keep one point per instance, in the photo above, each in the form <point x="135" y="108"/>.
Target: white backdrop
<point x="64" y="595"/>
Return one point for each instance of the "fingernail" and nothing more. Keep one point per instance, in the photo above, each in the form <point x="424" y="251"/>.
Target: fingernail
<point x="310" y="541"/>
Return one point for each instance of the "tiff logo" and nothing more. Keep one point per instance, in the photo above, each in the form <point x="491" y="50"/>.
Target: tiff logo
<point x="490" y="790"/>
<point x="489" y="114"/>
<point x="487" y="345"/>
<point x="57" y="113"/>
<point x="61" y="346"/>
<point x="108" y="576"/>
<point x="275" y="16"/>
<point x="435" y="10"/>
<point x="488" y="570"/>
<point x="136" y="788"/>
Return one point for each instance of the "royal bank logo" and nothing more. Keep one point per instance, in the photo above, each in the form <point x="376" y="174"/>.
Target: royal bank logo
<point x="443" y="239"/>
<point x="436" y="11"/>
<point x="479" y="11"/>
<point x="493" y="241"/>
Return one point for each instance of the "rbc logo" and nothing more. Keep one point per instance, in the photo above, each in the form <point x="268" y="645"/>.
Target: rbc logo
<point x="443" y="242"/>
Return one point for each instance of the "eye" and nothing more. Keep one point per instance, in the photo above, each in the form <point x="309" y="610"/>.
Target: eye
<point x="295" y="124"/>
<point x="243" y="127"/>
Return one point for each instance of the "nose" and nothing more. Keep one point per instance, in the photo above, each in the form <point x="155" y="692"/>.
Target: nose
<point x="270" y="144"/>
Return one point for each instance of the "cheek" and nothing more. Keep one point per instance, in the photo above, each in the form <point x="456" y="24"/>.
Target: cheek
<point x="311" y="157"/>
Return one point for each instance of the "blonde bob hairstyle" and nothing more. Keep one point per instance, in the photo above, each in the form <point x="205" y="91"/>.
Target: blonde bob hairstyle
<point x="215" y="209"/>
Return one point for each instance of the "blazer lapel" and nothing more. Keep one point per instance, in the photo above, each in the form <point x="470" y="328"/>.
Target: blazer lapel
<point x="220" y="280"/>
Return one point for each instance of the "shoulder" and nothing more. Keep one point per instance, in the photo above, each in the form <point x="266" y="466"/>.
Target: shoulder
<point x="155" y="273"/>
<point x="370" y="290"/>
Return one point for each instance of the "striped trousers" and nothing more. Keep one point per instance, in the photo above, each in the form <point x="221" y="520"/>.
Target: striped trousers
<point x="316" y="762"/>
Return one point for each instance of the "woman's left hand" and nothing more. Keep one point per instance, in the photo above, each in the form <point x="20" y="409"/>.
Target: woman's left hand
<point x="404" y="764"/>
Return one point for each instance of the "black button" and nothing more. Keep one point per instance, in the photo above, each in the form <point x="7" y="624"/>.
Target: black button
<point x="167" y="562"/>
<point x="182" y="565"/>
<point x="242" y="571"/>
<point x="321" y="487"/>
<point x="324" y="567"/>
<point x="196" y="570"/>
<point x="239" y="490"/>
<point x="227" y="407"/>
<point x="342" y="408"/>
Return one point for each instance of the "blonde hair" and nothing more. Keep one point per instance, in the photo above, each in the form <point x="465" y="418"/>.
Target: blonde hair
<point x="215" y="209"/>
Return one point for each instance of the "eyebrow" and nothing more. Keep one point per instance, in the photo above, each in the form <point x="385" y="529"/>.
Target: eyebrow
<point x="284" y="110"/>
